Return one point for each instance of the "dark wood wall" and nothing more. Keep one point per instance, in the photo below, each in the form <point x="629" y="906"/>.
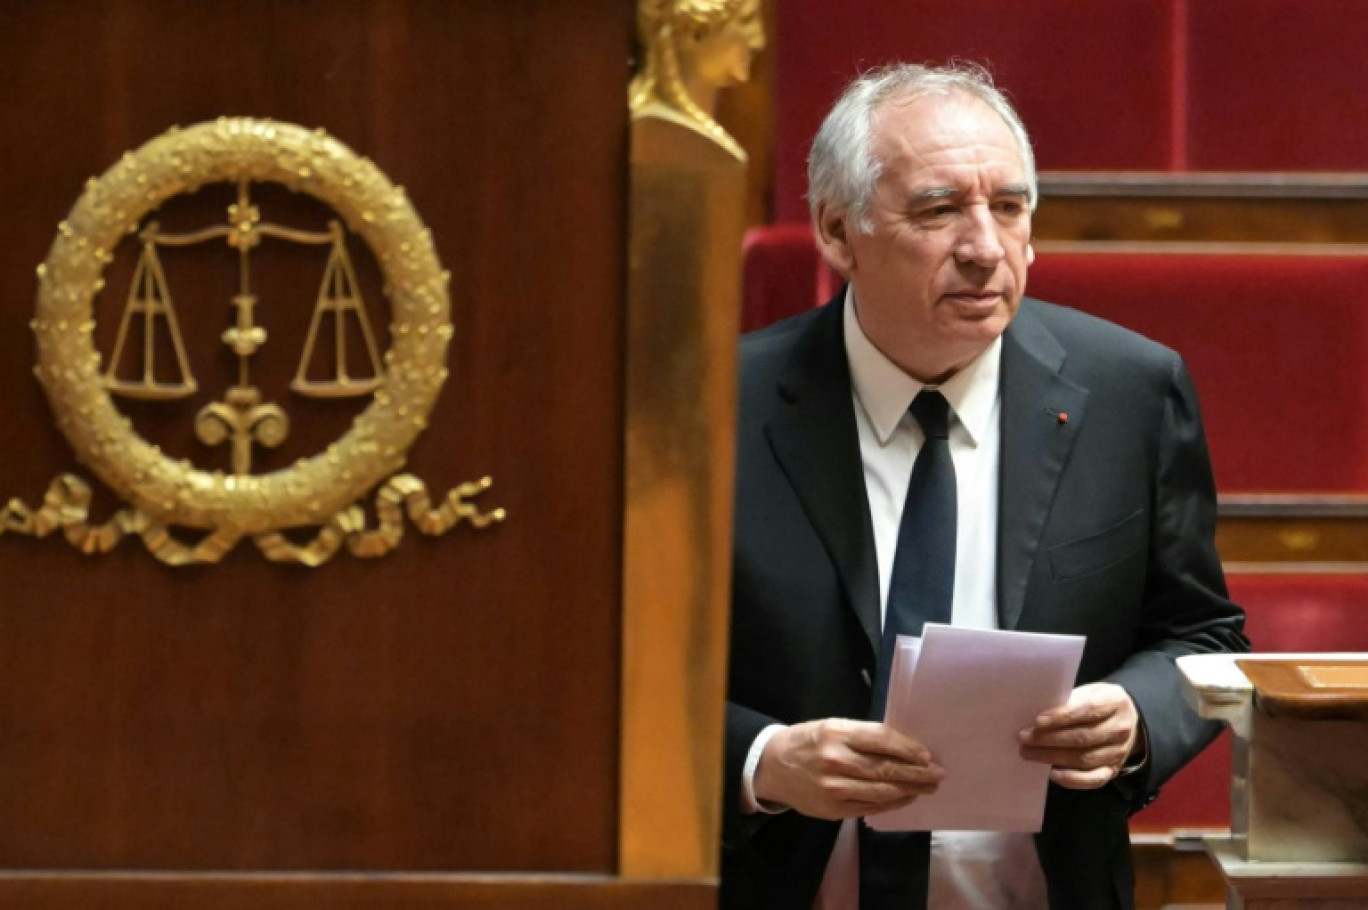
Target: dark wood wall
<point x="453" y="706"/>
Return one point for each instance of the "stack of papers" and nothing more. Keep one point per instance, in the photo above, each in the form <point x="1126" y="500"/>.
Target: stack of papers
<point x="965" y="694"/>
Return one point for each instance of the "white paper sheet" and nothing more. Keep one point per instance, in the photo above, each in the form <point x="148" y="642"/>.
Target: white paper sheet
<point x="965" y="694"/>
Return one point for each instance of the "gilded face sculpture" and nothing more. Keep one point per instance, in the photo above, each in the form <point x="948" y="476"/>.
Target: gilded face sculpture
<point x="691" y="49"/>
<point x="720" y="56"/>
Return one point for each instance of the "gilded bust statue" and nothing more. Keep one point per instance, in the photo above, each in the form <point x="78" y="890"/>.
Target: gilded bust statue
<point x="692" y="49"/>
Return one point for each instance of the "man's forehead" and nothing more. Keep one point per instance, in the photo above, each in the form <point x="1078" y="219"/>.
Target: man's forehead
<point x="945" y="132"/>
<point x="934" y="102"/>
<point x="940" y="120"/>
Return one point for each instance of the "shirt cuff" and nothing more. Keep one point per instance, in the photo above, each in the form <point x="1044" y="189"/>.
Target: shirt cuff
<point x="749" y="804"/>
<point x="1139" y="757"/>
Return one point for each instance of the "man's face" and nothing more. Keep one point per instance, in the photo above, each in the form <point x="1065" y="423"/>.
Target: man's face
<point x="943" y="270"/>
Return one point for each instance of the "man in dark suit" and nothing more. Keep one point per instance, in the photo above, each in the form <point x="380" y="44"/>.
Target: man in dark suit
<point x="1085" y="505"/>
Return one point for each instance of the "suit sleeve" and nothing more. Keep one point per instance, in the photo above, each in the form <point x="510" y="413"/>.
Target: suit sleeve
<point x="742" y="727"/>
<point x="1186" y="608"/>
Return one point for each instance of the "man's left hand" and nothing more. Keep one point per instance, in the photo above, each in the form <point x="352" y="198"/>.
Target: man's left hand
<point x="1088" y="739"/>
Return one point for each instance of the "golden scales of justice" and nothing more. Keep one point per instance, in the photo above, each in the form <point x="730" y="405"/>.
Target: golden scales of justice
<point x="321" y="491"/>
<point x="242" y="416"/>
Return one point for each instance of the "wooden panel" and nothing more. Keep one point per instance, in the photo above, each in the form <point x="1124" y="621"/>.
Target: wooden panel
<point x="1187" y="208"/>
<point x="1248" y="543"/>
<point x="1271" y="533"/>
<point x="455" y="705"/>
<point x="253" y="892"/>
<point x="1168" y="875"/>
<point x="1302" y="689"/>
<point x="1113" y="218"/>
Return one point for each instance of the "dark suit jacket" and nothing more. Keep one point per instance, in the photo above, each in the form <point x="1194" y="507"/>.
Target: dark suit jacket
<point x="1106" y="527"/>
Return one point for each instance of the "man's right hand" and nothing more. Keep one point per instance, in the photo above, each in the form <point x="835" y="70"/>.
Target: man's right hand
<point x="838" y="768"/>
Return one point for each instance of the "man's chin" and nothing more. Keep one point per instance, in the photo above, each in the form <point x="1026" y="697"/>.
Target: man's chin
<point x="983" y="328"/>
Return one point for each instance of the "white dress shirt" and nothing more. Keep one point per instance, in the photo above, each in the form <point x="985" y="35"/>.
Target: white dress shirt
<point x="969" y="870"/>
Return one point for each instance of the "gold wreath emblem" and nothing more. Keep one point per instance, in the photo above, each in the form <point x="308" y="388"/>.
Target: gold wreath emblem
<point x="319" y="491"/>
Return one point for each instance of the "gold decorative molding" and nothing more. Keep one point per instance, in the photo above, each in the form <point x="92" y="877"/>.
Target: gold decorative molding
<point x="66" y="507"/>
<point x="320" y="491"/>
<point x="687" y="219"/>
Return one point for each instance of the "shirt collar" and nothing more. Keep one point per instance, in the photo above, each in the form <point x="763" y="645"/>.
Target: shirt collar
<point x="885" y="391"/>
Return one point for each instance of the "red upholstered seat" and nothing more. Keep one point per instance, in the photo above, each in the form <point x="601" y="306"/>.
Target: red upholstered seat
<point x="1286" y="613"/>
<point x="782" y="274"/>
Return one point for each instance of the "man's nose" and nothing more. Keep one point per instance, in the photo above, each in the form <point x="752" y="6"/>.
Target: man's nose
<point x="979" y="243"/>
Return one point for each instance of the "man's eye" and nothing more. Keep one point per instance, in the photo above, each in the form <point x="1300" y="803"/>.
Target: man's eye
<point x="938" y="211"/>
<point x="1010" y="207"/>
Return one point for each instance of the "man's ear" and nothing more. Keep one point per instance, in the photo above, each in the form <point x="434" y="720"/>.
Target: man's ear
<point x="833" y="241"/>
<point x="1030" y="254"/>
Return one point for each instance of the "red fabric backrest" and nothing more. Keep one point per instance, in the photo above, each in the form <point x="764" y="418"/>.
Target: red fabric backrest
<point x="1168" y="85"/>
<point x="1304" y="612"/>
<point x="1276" y="344"/>
<point x="781" y="274"/>
<point x="1278" y="347"/>
<point x="1277" y="85"/>
<point x="1285" y="613"/>
<point x="1120" y="49"/>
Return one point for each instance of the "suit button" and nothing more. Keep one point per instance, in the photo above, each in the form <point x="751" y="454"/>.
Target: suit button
<point x="869" y="683"/>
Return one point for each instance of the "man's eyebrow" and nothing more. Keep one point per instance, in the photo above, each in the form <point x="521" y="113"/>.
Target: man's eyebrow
<point x="932" y="193"/>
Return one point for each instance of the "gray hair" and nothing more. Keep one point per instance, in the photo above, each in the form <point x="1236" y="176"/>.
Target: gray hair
<point x="843" y="170"/>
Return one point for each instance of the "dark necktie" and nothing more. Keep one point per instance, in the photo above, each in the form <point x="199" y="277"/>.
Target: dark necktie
<point x="894" y="866"/>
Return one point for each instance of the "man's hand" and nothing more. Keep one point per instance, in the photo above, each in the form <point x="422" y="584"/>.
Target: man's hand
<point x="844" y="768"/>
<point x="1087" y="739"/>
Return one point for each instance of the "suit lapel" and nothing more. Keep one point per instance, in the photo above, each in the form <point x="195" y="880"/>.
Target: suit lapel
<point x="815" y="440"/>
<point x="1042" y="414"/>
